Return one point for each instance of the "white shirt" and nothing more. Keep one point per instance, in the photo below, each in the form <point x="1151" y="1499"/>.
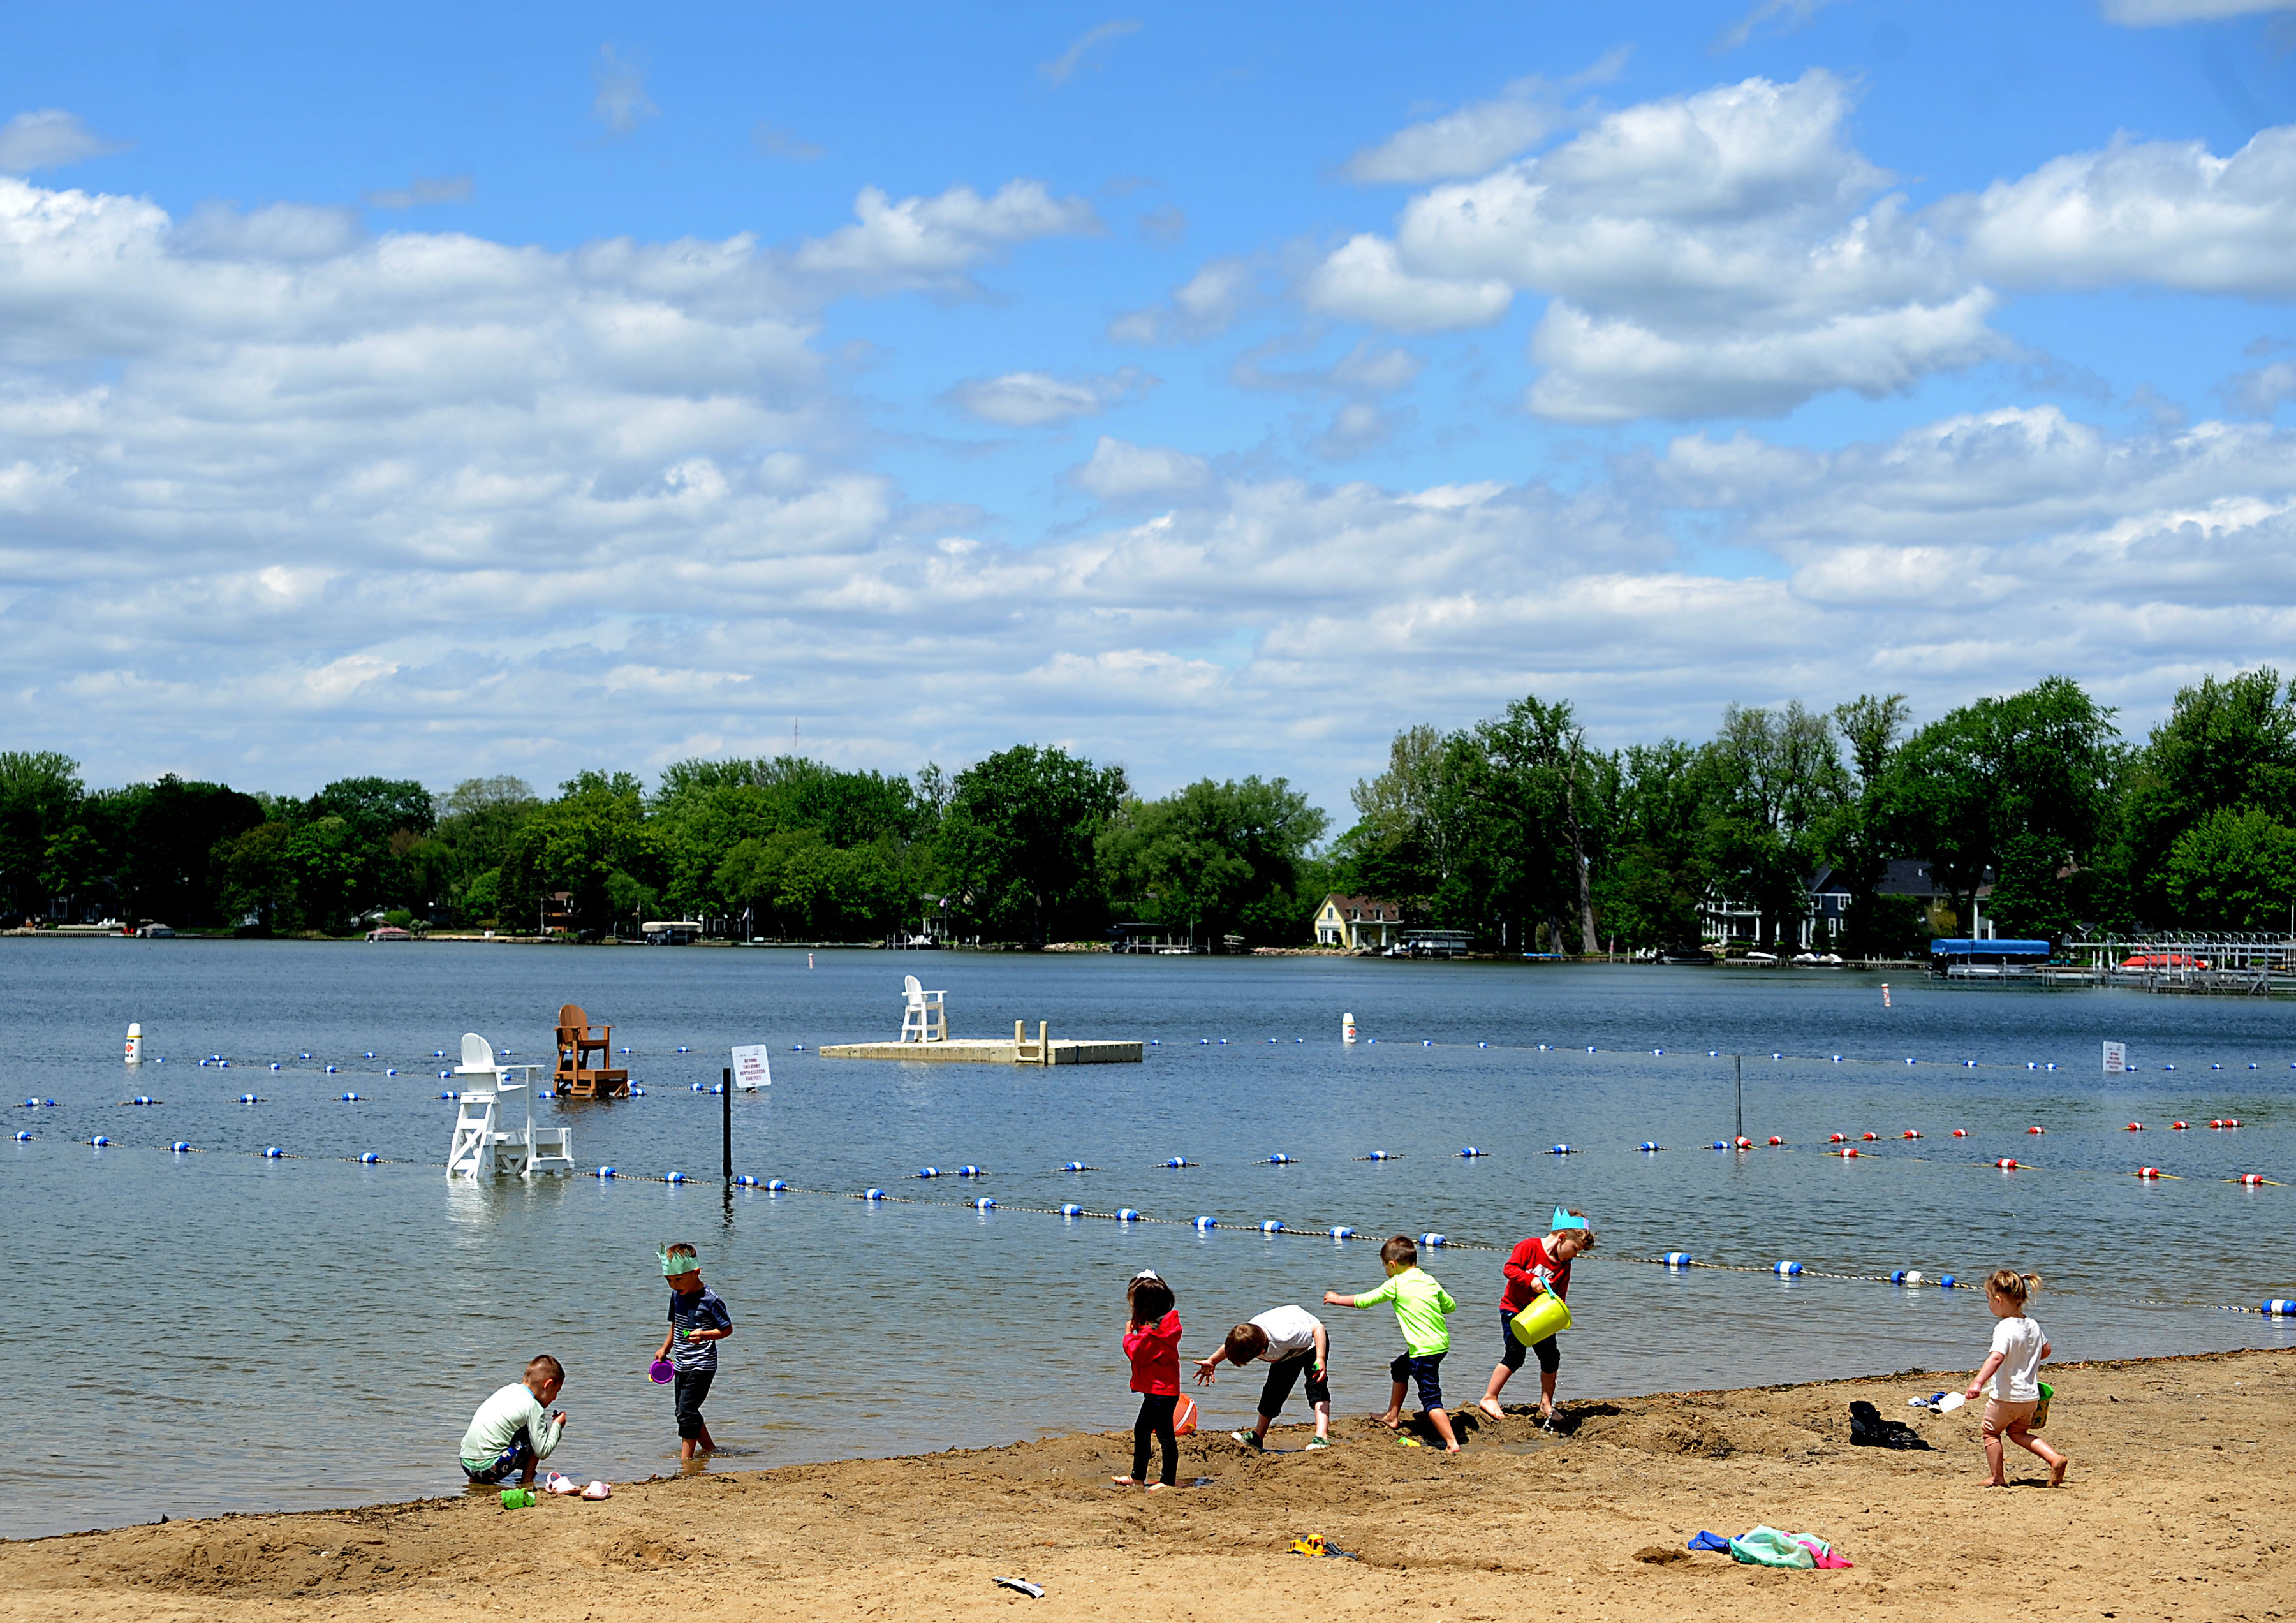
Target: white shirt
<point x="1291" y="1331"/>
<point x="2019" y="1341"/>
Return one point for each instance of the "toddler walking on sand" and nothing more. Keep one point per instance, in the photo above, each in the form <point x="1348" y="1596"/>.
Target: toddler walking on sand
<point x="2013" y="1366"/>
<point x="1420" y="1306"/>
<point x="1151" y="1341"/>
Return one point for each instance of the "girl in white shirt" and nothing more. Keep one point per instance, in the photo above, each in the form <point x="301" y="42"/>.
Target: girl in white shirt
<point x="2013" y="1366"/>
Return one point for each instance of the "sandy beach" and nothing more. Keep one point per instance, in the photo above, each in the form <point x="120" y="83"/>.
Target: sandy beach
<point x="2179" y="1504"/>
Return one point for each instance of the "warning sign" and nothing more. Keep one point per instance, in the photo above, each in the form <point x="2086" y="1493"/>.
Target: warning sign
<point x="752" y="1068"/>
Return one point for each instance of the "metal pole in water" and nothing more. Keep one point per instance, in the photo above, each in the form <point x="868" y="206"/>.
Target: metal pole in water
<point x="1740" y="1060"/>
<point x="726" y="1098"/>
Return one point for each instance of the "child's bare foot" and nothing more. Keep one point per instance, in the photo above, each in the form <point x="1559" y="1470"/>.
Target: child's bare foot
<point x="1392" y="1420"/>
<point x="1490" y="1406"/>
<point x="1122" y="1482"/>
<point x="2057" y="1472"/>
<point x="1158" y="1488"/>
<point x="1450" y="1447"/>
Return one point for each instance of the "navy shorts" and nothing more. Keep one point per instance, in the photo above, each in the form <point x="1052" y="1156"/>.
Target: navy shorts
<point x="690" y="1387"/>
<point x="1428" y="1372"/>
<point x="514" y="1460"/>
<point x="1282" y="1376"/>
<point x="1550" y="1355"/>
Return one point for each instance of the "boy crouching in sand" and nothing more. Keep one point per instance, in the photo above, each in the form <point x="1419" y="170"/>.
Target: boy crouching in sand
<point x="513" y="1431"/>
<point x="1293" y="1342"/>
<point x="1421" y="1305"/>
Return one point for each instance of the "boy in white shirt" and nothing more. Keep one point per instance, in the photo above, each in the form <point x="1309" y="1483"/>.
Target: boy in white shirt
<point x="1292" y="1341"/>
<point x="513" y="1431"/>
<point x="2013" y="1366"/>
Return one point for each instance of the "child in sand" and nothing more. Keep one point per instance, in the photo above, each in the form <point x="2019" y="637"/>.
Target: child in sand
<point x="1151" y="1341"/>
<point x="1533" y="1268"/>
<point x="2014" y="1368"/>
<point x="698" y="1322"/>
<point x="1293" y="1342"/>
<point x="1421" y="1305"/>
<point x="514" y="1430"/>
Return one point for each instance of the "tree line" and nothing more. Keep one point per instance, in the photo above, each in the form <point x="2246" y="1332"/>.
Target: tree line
<point x="1513" y="829"/>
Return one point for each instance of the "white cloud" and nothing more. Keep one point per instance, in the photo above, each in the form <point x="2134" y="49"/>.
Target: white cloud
<point x="424" y="503"/>
<point x="1363" y="280"/>
<point x="1032" y="400"/>
<point x="1473" y="139"/>
<point x="1062" y="69"/>
<point x="2260" y="392"/>
<point x="921" y="241"/>
<point x="771" y="141"/>
<point x="1206" y="303"/>
<point x="621" y="103"/>
<point x="2159" y="13"/>
<point x="1720" y="253"/>
<point x="49" y="139"/>
<point x="1120" y="472"/>
<point x="2167" y="212"/>
<point x="421" y="192"/>
<point x="1795" y="13"/>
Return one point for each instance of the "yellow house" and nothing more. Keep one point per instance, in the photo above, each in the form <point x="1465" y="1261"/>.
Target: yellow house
<point x="1364" y="924"/>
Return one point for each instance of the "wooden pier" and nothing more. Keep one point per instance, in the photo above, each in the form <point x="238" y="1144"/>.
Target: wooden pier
<point x="993" y="1051"/>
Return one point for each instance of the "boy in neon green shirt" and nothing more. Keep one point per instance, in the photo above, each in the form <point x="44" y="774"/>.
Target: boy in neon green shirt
<point x="1421" y="1305"/>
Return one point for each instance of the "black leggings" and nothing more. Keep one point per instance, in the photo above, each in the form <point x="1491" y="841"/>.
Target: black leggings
<point x="1155" y="1416"/>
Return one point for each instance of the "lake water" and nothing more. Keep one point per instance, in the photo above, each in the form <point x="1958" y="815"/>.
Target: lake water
<point x="193" y="1334"/>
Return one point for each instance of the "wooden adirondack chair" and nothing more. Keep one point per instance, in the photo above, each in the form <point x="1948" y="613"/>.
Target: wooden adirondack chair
<point x="576" y="1076"/>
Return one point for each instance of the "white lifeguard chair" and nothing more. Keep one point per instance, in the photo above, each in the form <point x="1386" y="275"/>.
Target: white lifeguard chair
<point x="924" y="1013"/>
<point x="482" y="1145"/>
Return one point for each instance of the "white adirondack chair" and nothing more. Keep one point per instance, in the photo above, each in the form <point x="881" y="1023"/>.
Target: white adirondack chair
<point x="924" y="1013"/>
<point x="483" y="1146"/>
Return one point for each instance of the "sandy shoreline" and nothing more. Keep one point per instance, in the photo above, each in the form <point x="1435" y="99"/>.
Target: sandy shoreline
<point x="2180" y="1504"/>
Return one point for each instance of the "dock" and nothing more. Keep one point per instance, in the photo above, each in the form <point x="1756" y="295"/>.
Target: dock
<point x="992" y="1051"/>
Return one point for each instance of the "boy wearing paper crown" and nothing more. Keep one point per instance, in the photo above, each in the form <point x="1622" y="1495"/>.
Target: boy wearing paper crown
<point x="698" y="1322"/>
<point x="1534" y="1268"/>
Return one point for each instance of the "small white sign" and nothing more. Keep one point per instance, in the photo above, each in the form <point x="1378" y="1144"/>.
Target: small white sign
<point x="752" y="1068"/>
<point x="2116" y="1058"/>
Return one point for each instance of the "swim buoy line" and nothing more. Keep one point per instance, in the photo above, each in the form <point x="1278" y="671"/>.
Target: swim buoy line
<point x="1341" y="1234"/>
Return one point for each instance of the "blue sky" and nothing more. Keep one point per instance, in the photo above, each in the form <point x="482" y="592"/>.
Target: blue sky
<point x="517" y="390"/>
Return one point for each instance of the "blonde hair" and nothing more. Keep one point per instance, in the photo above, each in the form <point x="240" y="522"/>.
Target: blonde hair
<point x="2010" y="1283"/>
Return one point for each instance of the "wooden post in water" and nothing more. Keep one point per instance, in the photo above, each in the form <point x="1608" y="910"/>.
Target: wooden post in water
<point x="727" y="1119"/>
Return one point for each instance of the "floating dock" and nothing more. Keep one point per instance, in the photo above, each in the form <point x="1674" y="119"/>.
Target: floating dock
<point x="991" y="1051"/>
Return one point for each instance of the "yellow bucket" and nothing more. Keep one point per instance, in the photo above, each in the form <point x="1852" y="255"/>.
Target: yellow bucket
<point x="1541" y="1319"/>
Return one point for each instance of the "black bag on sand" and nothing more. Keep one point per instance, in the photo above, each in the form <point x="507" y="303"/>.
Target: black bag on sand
<point x="1868" y="1429"/>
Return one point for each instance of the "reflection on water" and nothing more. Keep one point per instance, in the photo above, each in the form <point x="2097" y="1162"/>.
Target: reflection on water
<point x="217" y="1330"/>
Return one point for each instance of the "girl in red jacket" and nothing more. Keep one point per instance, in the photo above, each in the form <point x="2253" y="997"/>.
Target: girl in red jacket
<point x="1152" y="1342"/>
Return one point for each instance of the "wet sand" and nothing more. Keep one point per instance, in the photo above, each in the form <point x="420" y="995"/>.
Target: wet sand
<point x="2181" y="1503"/>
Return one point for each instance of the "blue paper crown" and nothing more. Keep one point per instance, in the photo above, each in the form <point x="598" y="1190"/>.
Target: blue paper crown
<point x="1566" y="1218"/>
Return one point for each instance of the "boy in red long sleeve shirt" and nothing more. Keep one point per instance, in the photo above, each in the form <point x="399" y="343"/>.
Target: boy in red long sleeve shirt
<point x="1151" y="1341"/>
<point x="1535" y="1266"/>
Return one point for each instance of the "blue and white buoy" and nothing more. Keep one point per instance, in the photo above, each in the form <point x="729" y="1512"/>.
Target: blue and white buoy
<point x="1647" y="1146"/>
<point x="1470" y="1153"/>
<point x="1208" y="1223"/>
<point x="1432" y="1241"/>
<point x="1343" y="1233"/>
<point x="1279" y="1159"/>
<point x="369" y="1157"/>
<point x="2279" y="1307"/>
<point x="929" y="1172"/>
<point x="674" y="1178"/>
<point x="1678" y="1259"/>
<point x="1125" y="1214"/>
<point x="180" y="1147"/>
<point x="1071" y="1209"/>
<point x="606" y="1172"/>
<point x="1786" y="1269"/>
<point x="872" y="1194"/>
<point x="777" y="1187"/>
<point x="274" y="1153"/>
<point x="984" y="1204"/>
<point x="1272" y="1226"/>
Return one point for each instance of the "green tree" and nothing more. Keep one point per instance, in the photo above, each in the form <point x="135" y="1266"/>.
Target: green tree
<point x="1020" y="837"/>
<point x="2015" y="786"/>
<point x="1855" y="840"/>
<point x="2226" y="746"/>
<point x="1214" y="857"/>
<point x="577" y="844"/>
<point x="40" y="793"/>
<point x="2232" y="870"/>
